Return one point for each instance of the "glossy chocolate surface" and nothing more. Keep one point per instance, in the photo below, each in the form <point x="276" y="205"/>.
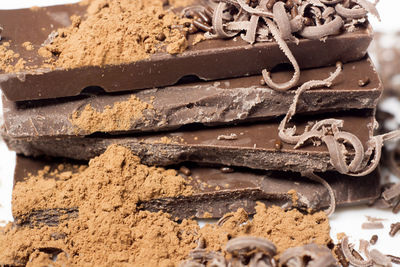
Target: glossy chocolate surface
<point x="253" y="147"/>
<point x="208" y="103"/>
<point x="208" y="60"/>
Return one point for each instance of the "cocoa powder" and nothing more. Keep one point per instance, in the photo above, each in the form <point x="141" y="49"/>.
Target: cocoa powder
<point x="9" y="60"/>
<point x="116" y="118"/>
<point x="117" y="32"/>
<point x="109" y="228"/>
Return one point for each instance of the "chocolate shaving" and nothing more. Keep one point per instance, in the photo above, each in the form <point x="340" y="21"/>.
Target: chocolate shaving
<point x="316" y="178"/>
<point x="245" y="244"/>
<point x="288" y="134"/>
<point x="373" y="239"/>
<point x="317" y="32"/>
<point x="282" y="20"/>
<point x="307" y="255"/>
<point x="349" y="256"/>
<point x="394" y="259"/>
<point x="370" y="7"/>
<point x="340" y="256"/>
<point x="364" y="248"/>
<point x="391" y="192"/>
<point x="350" y="13"/>
<point x="380" y="259"/>
<point x="394" y="228"/>
<point x="285" y="49"/>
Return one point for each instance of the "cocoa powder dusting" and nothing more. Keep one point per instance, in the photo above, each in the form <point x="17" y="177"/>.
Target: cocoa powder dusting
<point x="116" y="118"/>
<point x="117" y="32"/>
<point x="9" y="60"/>
<point x="111" y="230"/>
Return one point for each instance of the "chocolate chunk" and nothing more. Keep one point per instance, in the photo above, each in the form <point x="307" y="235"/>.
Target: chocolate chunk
<point x="210" y="103"/>
<point x="217" y="193"/>
<point x="208" y="60"/>
<point x="254" y="148"/>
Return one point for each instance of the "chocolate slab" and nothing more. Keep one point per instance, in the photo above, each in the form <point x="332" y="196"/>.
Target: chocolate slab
<point x="216" y="192"/>
<point x="210" y="103"/>
<point x="254" y="146"/>
<point x="208" y="60"/>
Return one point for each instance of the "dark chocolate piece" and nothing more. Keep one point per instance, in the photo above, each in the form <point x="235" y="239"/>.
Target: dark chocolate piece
<point x="208" y="60"/>
<point x="254" y="147"/>
<point x="216" y="193"/>
<point x="210" y="103"/>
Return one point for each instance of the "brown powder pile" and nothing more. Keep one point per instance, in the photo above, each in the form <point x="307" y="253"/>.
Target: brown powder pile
<point x="109" y="181"/>
<point x="111" y="231"/>
<point x="284" y="228"/>
<point x="116" y="32"/>
<point x="9" y="60"/>
<point x="116" y="118"/>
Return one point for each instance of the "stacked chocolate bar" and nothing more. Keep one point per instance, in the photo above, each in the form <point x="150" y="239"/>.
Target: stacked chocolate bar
<point x="275" y="105"/>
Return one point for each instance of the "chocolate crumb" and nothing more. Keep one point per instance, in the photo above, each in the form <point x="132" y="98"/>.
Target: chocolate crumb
<point x="340" y="256"/>
<point x="232" y="136"/>
<point x="373" y="239"/>
<point x="372" y="225"/>
<point x="394" y="228"/>
<point x="278" y="145"/>
<point x="184" y="170"/>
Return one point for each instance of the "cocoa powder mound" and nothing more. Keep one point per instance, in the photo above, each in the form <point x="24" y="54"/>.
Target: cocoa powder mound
<point x="116" y="118"/>
<point x="109" y="230"/>
<point x="117" y="32"/>
<point x="114" y="179"/>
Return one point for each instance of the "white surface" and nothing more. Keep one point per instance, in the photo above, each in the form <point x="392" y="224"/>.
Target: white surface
<point x="347" y="220"/>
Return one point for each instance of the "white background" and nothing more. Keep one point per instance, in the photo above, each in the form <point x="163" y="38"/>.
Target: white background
<point x="347" y="220"/>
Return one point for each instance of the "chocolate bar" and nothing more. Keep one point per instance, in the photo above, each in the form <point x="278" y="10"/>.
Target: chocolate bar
<point x="208" y="60"/>
<point x="209" y="103"/>
<point x="255" y="145"/>
<point x="216" y="192"/>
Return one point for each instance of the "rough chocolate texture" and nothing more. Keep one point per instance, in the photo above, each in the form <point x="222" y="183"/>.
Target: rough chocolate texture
<point x="209" y="103"/>
<point x="208" y="60"/>
<point x="216" y="193"/>
<point x="253" y="147"/>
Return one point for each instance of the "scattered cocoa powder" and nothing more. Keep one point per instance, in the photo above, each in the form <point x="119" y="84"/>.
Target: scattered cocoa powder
<point x="198" y="38"/>
<point x="28" y="46"/>
<point x="117" y="32"/>
<point x="116" y="118"/>
<point x="9" y="60"/>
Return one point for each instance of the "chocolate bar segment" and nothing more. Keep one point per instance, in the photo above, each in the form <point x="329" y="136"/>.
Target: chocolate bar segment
<point x="216" y="192"/>
<point x="208" y="60"/>
<point x="210" y="103"/>
<point x="248" y="145"/>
